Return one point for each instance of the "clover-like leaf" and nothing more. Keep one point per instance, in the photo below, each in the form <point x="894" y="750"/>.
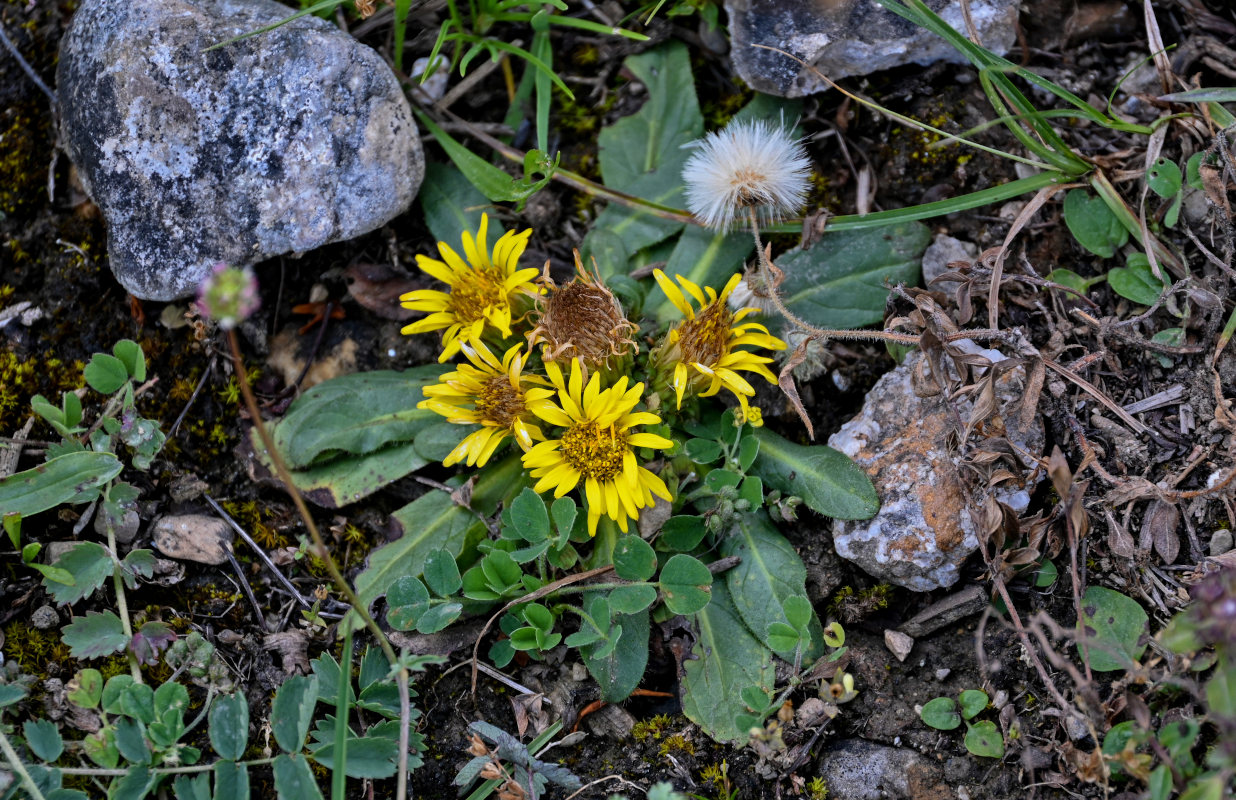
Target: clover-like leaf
<point x="686" y="583"/>
<point x="941" y="714"/>
<point x="94" y="635"/>
<point x="984" y="739"/>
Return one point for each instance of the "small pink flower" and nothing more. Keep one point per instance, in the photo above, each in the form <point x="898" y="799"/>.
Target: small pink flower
<point x="228" y="295"/>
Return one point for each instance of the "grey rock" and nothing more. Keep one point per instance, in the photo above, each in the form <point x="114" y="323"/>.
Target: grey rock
<point x="924" y="529"/>
<point x="45" y="618"/>
<point x="1220" y="542"/>
<point x="124" y="528"/>
<point x="278" y="143"/>
<point x="840" y="38"/>
<point x="940" y="253"/>
<point x="860" y="770"/>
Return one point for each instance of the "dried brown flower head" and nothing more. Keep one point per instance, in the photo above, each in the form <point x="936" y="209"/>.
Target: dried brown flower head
<point x="581" y="319"/>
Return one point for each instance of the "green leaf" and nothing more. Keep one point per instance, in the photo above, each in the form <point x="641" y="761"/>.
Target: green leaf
<point x="292" y="711"/>
<point x="136" y="700"/>
<point x="703" y="451"/>
<point x="1205" y="787"/>
<point x="89" y="564"/>
<point x="634" y="559"/>
<point x="727" y="659"/>
<point x="106" y="374"/>
<point x="133" y="785"/>
<point x="827" y="480"/>
<point x="632" y="599"/>
<point x="1116" y="629"/>
<point x="682" y="533"/>
<point x="359" y="414"/>
<point x="131" y="740"/>
<point x="191" y="787"/>
<point x="941" y="714"/>
<point x="452" y="205"/>
<point x="438" y="440"/>
<point x="972" y="702"/>
<point x="769" y="575"/>
<point x="438" y="617"/>
<point x="1069" y="278"/>
<point x="229" y="725"/>
<point x="346" y="479"/>
<point x="86" y="688"/>
<point x="1221" y="692"/>
<point x="1046" y="575"/>
<point x="782" y="638"/>
<point x="528" y="516"/>
<point x="43" y="738"/>
<point x="407" y="600"/>
<point x="493" y="182"/>
<point x="1161" y="783"/>
<point x="1164" y="178"/>
<point x="70" y="478"/>
<point x="294" y="780"/>
<point x="1093" y="224"/>
<point x="130" y="355"/>
<point x="94" y="635"/>
<point x="1136" y="281"/>
<point x="798" y="611"/>
<point x="433" y="522"/>
<point x="368" y="757"/>
<point x="984" y="739"/>
<point x="442" y="573"/>
<point x="1193" y="170"/>
<point x="842" y="280"/>
<point x="686" y="583"/>
<point x="231" y="781"/>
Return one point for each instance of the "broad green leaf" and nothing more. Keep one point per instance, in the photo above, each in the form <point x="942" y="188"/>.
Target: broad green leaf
<point x="442" y="573"/>
<point x="706" y="258"/>
<point x="769" y="575"/>
<point x="1116" y="629"/>
<point x="703" y="451"/>
<point x="1136" y="281"/>
<point x="1069" y="278"/>
<point x="452" y="205"/>
<point x="231" y="781"/>
<point x="727" y="659"/>
<point x="1161" y="783"/>
<point x="407" y="600"/>
<point x="191" y="787"/>
<point x="828" y="481"/>
<point x="682" y="533"/>
<point x="1221" y="691"/>
<point x="842" y="280"/>
<point x="941" y="714"/>
<point x="1164" y="178"/>
<point x="686" y="583"/>
<point x="89" y="564"/>
<point x="43" y="738"/>
<point x="984" y="739"/>
<point x="106" y="374"/>
<point x="781" y="638"/>
<point x="131" y="356"/>
<point x="1093" y="224"/>
<point x="131" y="741"/>
<point x="294" y="780"/>
<point x="431" y="522"/>
<point x="349" y="478"/>
<point x="365" y="757"/>
<point x="86" y="688"/>
<point x="1206" y="787"/>
<point x="972" y="702"/>
<point x="70" y="478"/>
<point x="229" y="725"/>
<point x="632" y="599"/>
<point x="133" y="785"/>
<point x="359" y="413"/>
<point x="620" y="670"/>
<point x="528" y="516"/>
<point x="94" y="635"/>
<point x="634" y="559"/>
<point x="436" y="441"/>
<point x="292" y="710"/>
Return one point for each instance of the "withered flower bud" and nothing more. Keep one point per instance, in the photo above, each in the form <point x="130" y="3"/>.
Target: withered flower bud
<point x="581" y="319"/>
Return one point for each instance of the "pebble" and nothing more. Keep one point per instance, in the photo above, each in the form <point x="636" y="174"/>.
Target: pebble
<point x="193" y="537"/>
<point x="278" y="143"/>
<point x="45" y="618"/>
<point x="1220" y="542"/>
<point x="943" y="673"/>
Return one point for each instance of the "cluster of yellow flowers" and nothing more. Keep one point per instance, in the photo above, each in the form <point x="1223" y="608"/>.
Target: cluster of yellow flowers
<point x="578" y="422"/>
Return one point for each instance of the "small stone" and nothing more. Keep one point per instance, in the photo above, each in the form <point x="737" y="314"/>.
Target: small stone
<point x="943" y="250"/>
<point x="898" y="644"/>
<point x="45" y="618"/>
<point x="193" y="537"/>
<point x="278" y="143"/>
<point x="839" y="38"/>
<point x="124" y="528"/>
<point x="860" y="770"/>
<point x="925" y="527"/>
<point x="1220" y="542"/>
<point x="943" y="673"/>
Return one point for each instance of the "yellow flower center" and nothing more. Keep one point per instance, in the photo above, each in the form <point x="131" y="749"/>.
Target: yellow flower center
<point x="594" y="451"/>
<point x="704" y="338"/>
<point x="499" y="401"/>
<point x="474" y="292"/>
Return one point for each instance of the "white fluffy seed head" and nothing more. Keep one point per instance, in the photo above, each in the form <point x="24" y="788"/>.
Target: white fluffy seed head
<point x="747" y="164"/>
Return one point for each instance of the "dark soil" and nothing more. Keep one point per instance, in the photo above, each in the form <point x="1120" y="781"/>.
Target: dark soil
<point x="53" y="255"/>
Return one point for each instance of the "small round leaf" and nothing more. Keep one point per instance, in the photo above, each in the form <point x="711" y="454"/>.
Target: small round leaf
<point x="984" y="739"/>
<point x="941" y="714"/>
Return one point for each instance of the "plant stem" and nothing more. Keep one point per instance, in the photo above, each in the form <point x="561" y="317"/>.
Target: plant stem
<point x="122" y="602"/>
<point x="18" y="767"/>
<point x="102" y="772"/>
<point x="401" y="675"/>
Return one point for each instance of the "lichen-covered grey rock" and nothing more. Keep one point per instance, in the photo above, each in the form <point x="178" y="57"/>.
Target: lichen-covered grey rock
<point x="847" y="37"/>
<point x="924" y="529"/>
<point x="278" y="143"/>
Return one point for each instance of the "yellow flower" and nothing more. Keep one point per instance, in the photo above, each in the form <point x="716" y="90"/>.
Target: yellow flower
<point x="703" y="348"/>
<point x="481" y="289"/>
<point x="489" y="393"/>
<point x="596" y="447"/>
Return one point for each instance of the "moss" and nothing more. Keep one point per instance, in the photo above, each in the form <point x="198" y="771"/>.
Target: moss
<point x="852" y="606"/>
<point x="651" y="728"/>
<point x="23" y="375"/>
<point x="25" y="151"/>
<point x="677" y="744"/>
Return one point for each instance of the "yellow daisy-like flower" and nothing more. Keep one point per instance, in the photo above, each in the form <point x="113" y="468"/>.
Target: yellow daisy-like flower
<point x="489" y="393"/>
<point x="703" y="348"/>
<point x="481" y="289"/>
<point x="596" y="447"/>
